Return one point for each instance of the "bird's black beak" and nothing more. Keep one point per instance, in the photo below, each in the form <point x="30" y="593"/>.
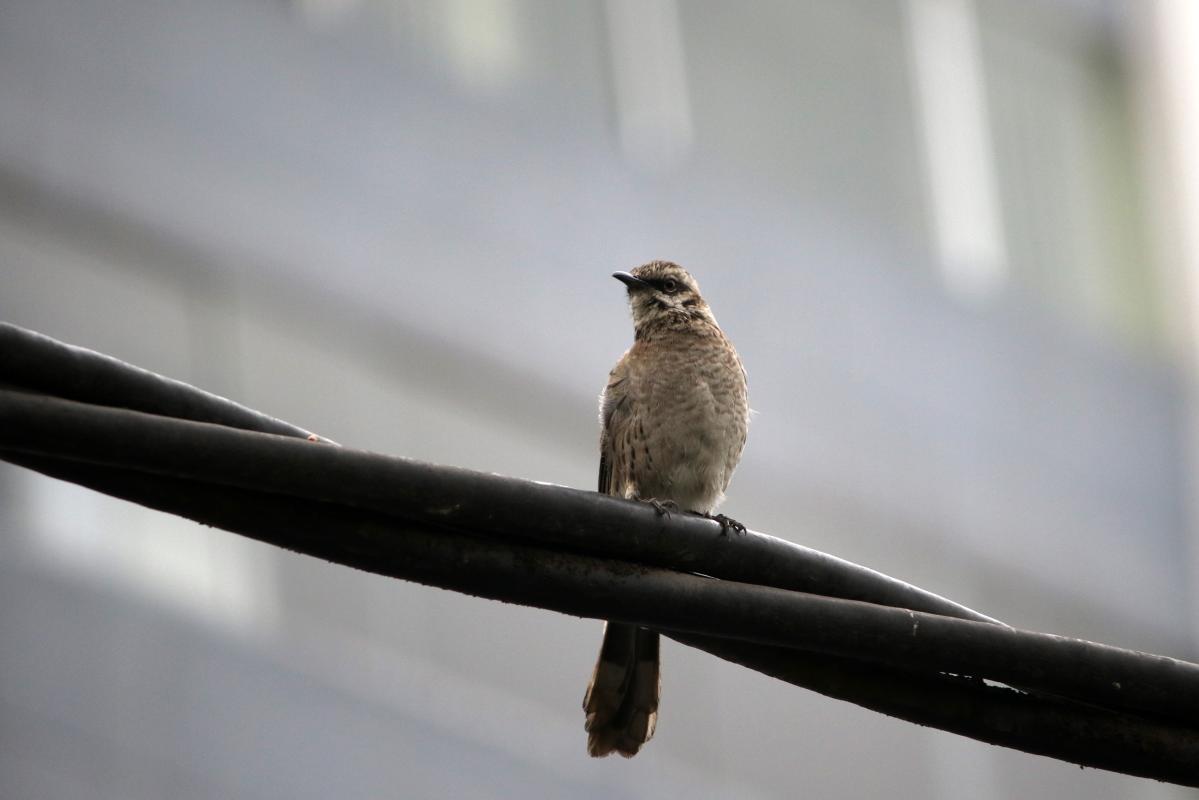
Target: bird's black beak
<point x="631" y="281"/>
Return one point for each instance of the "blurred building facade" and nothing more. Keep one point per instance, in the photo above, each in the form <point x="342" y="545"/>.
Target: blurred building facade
<point x="938" y="231"/>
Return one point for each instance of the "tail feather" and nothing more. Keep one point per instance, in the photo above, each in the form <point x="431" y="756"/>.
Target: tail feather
<point x="622" y="699"/>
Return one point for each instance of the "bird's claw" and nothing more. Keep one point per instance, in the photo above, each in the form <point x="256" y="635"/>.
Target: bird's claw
<point x="727" y="524"/>
<point x="664" y="507"/>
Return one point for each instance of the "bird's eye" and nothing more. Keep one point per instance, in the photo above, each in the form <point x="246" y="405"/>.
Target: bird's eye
<point x="670" y="285"/>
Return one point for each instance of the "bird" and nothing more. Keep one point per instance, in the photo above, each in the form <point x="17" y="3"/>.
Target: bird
<point x="673" y="421"/>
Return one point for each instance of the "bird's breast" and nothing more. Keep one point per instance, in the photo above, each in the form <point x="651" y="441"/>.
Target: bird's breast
<point x="695" y="410"/>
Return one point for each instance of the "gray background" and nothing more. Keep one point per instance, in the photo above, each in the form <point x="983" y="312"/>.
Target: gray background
<point x="394" y="222"/>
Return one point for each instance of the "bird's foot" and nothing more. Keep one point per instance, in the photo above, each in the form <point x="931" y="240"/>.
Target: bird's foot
<point x="727" y="524"/>
<point x="663" y="507"/>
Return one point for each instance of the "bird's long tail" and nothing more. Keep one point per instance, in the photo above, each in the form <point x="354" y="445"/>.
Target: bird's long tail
<point x="622" y="699"/>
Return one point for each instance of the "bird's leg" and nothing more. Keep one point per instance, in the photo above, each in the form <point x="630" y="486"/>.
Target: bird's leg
<point x="663" y="507"/>
<point x="727" y="524"/>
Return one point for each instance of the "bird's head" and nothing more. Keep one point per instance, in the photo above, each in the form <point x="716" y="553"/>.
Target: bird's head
<point x="663" y="293"/>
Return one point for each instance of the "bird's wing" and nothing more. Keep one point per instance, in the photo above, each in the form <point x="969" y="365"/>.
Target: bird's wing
<point x="614" y="410"/>
<point x="605" y="468"/>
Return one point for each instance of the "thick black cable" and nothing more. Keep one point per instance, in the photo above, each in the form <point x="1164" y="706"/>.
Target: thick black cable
<point x="32" y="361"/>
<point x="1113" y="740"/>
<point x="463" y="497"/>
<point x="596" y="587"/>
<point x="124" y="439"/>
<point x="29" y="360"/>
